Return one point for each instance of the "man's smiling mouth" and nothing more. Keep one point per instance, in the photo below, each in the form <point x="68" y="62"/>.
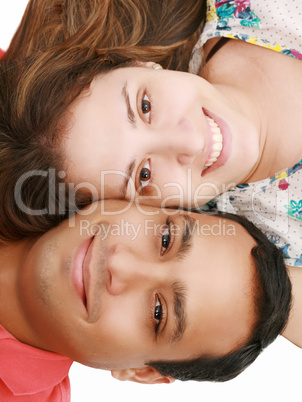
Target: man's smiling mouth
<point x="80" y="262"/>
<point x="217" y="143"/>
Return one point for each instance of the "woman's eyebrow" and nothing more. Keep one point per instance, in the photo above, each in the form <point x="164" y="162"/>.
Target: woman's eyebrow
<point x="130" y="113"/>
<point x="128" y="174"/>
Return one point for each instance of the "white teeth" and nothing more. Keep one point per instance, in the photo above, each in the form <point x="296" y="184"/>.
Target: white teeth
<point x="217" y="137"/>
<point x="217" y="146"/>
<point x="217" y="143"/>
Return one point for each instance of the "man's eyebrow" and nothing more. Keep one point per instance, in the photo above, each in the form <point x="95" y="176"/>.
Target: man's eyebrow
<point x="187" y="236"/>
<point x="179" y="302"/>
<point x="128" y="174"/>
<point x="130" y="113"/>
<point x="179" y="296"/>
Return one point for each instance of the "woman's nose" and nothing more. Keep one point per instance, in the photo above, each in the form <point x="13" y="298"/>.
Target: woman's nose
<point x="185" y="141"/>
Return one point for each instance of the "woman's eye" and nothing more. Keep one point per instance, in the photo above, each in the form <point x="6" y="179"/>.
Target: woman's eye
<point x="158" y="312"/>
<point x="145" y="175"/>
<point x="146" y="108"/>
<point x="165" y="239"/>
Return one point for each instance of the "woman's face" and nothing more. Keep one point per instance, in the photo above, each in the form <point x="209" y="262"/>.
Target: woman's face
<point x="169" y="137"/>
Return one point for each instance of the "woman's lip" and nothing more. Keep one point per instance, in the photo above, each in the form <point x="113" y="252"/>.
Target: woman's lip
<point x="225" y="153"/>
<point x="78" y="269"/>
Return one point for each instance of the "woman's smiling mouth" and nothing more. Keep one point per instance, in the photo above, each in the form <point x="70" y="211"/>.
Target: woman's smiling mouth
<point x="216" y="143"/>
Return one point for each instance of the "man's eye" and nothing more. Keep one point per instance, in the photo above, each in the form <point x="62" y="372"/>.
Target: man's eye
<point x="165" y="239"/>
<point x="145" y="175"/>
<point x="158" y="313"/>
<point x="146" y="108"/>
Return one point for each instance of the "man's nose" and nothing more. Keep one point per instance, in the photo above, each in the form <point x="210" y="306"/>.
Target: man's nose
<point x="128" y="270"/>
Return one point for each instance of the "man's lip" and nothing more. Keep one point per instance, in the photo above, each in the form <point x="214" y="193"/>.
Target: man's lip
<point x="95" y="273"/>
<point x="226" y="134"/>
<point x="87" y="273"/>
<point x="78" y="269"/>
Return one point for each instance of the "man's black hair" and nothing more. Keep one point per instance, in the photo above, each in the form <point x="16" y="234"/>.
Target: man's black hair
<point x="272" y="305"/>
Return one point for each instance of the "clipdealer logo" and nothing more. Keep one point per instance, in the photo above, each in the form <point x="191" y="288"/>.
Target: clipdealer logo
<point x="62" y="195"/>
<point x="149" y="227"/>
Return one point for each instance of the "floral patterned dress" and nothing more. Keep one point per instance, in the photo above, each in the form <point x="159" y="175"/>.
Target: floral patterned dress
<point x="273" y="24"/>
<point x="274" y="204"/>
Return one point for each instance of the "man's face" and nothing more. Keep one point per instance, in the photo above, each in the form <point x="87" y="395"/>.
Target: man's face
<point x="117" y="291"/>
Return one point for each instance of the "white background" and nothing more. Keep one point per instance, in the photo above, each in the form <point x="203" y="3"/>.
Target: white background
<point x="274" y="377"/>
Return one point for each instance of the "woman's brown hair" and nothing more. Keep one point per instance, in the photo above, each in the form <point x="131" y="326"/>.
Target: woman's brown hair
<point x="163" y="30"/>
<point x="55" y="54"/>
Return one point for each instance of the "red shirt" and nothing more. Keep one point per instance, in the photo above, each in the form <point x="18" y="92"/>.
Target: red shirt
<point x="28" y="374"/>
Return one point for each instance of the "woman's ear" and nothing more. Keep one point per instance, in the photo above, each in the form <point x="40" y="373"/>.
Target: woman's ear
<point x="149" y="64"/>
<point x="143" y="375"/>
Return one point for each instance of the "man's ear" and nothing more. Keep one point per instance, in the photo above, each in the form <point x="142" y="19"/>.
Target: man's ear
<point x="143" y="375"/>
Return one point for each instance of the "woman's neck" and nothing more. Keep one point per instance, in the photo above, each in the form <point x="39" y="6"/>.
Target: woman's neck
<point x="266" y="86"/>
<point x="293" y="330"/>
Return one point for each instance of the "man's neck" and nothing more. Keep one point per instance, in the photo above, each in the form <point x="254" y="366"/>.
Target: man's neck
<point x="293" y="330"/>
<point x="11" y="258"/>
